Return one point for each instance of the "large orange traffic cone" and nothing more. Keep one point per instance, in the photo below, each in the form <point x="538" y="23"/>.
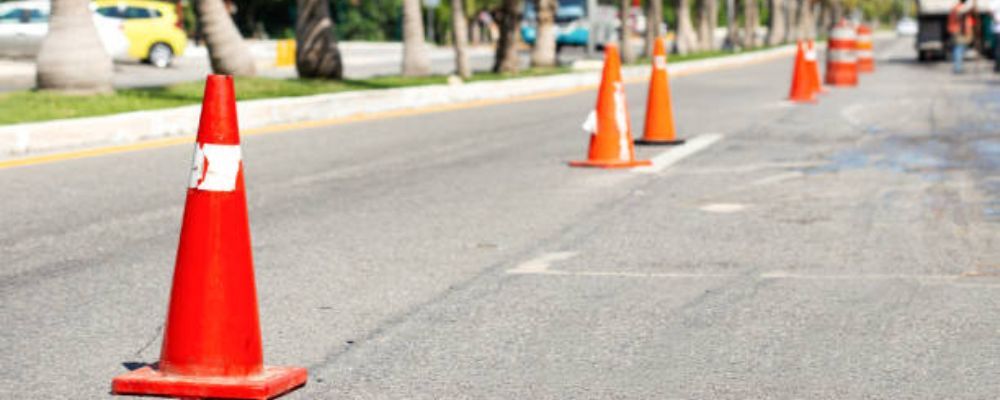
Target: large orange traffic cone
<point x="659" y="128"/>
<point x="211" y="340"/>
<point x="802" y="89"/>
<point x="609" y="127"/>
<point x="812" y="67"/>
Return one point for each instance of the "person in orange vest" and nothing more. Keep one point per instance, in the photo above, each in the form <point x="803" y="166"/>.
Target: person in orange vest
<point x="960" y="24"/>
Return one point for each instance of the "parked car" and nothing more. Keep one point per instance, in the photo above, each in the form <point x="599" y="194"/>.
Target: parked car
<point x="571" y="24"/>
<point x="24" y="24"/>
<point x="154" y="29"/>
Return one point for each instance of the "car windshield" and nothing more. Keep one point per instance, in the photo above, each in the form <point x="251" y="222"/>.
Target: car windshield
<point x="10" y="16"/>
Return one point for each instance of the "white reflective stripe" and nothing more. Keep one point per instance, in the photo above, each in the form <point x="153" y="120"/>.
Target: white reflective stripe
<point x="660" y="62"/>
<point x="865" y="54"/>
<point x="841" y="56"/>
<point x="590" y="124"/>
<point x="842" y="34"/>
<point x="621" y="119"/>
<point x="215" y="167"/>
<point x="810" y="55"/>
<point x="864" y="38"/>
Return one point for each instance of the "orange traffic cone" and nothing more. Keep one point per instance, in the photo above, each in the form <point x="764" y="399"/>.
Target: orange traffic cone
<point x="659" y="128"/>
<point x="609" y="127"/>
<point x="812" y="67"/>
<point x="802" y="89"/>
<point x="211" y="340"/>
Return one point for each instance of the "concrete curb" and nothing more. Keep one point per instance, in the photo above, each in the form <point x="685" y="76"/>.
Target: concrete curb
<point x="32" y="138"/>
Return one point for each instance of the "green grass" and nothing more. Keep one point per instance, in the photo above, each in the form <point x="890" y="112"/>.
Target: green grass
<point x="33" y="106"/>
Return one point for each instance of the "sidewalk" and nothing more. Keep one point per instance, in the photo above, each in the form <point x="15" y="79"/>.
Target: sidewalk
<point x="284" y="113"/>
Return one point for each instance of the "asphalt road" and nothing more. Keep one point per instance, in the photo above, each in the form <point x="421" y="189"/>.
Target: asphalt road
<point x="848" y="249"/>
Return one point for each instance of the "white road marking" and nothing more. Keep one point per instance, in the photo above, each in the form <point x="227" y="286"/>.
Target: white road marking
<point x="540" y="265"/>
<point x="672" y="156"/>
<point x="777" y="178"/>
<point x="723" y="208"/>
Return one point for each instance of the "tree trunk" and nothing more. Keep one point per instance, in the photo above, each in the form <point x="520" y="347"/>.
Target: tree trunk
<point x="806" y="20"/>
<point x="460" y="38"/>
<point x="415" y="58"/>
<point x="506" y="60"/>
<point x="708" y="16"/>
<point x="686" y="39"/>
<point x="751" y="20"/>
<point x="792" y="21"/>
<point x="625" y="31"/>
<point x="72" y="58"/>
<point x="544" y="53"/>
<point x="654" y="18"/>
<point x="316" y="52"/>
<point x="732" y="14"/>
<point x="226" y="50"/>
<point x="776" y="25"/>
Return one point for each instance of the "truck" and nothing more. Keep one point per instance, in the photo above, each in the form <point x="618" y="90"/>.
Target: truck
<point x="933" y="41"/>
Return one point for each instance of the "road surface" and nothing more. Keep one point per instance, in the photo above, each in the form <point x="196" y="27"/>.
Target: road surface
<point x="847" y="249"/>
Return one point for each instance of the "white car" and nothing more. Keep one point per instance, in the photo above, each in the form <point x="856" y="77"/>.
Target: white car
<point x="24" y="24"/>
<point x="906" y="27"/>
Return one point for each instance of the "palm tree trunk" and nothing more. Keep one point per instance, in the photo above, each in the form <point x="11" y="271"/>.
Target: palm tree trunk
<point x="415" y="59"/>
<point x="628" y="56"/>
<point x="807" y="19"/>
<point x="776" y="25"/>
<point x="316" y="52"/>
<point x="226" y="50"/>
<point x="506" y="60"/>
<point x="751" y="19"/>
<point x="708" y="17"/>
<point x="686" y="39"/>
<point x="544" y="53"/>
<point x="654" y="18"/>
<point x="460" y="36"/>
<point x="792" y="33"/>
<point x="72" y="58"/>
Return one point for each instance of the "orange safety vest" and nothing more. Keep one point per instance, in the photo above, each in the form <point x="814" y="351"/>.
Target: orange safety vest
<point x="956" y="26"/>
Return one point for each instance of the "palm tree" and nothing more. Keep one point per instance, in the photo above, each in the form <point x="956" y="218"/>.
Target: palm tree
<point x="506" y="59"/>
<point x="654" y="17"/>
<point x="751" y="20"/>
<point x="708" y="20"/>
<point x="792" y="21"/>
<point x="776" y="25"/>
<point x="415" y="59"/>
<point x="226" y="49"/>
<point x="316" y="52"/>
<point x="72" y="58"/>
<point x="628" y="55"/>
<point x="544" y="53"/>
<point x="806" y="21"/>
<point x="686" y="39"/>
<point x="460" y="28"/>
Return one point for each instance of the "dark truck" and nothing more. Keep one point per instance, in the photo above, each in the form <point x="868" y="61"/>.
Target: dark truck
<point x="933" y="40"/>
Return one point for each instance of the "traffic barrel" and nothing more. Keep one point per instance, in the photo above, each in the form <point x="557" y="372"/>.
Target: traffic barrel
<point x="211" y="339"/>
<point x="841" y="60"/>
<point x="803" y="90"/>
<point x="659" y="128"/>
<point x="864" y="49"/>
<point x="609" y="127"/>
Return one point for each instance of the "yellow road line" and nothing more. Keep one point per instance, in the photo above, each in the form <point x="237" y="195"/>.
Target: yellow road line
<point x="282" y="128"/>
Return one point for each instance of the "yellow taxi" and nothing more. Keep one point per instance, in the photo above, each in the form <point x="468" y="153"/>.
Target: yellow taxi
<point x="154" y="29"/>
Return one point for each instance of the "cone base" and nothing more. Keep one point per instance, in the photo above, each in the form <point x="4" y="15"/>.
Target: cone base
<point x="804" y="101"/>
<point x="659" y="142"/>
<point x="273" y="381"/>
<point x="610" y="163"/>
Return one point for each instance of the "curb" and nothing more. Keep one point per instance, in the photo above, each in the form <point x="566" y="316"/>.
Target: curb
<point x="50" y="136"/>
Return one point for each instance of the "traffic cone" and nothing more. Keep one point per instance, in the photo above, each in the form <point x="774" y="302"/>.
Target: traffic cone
<point x="659" y="129"/>
<point x="802" y="90"/>
<point x="211" y="340"/>
<point x="812" y="67"/>
<point x="609" y="127"/>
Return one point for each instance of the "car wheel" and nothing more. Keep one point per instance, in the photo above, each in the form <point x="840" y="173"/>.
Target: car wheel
<point x="160" y="55"/>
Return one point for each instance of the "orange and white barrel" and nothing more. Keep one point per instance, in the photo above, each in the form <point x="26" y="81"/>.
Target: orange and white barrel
<point x="841" y="60"/>
<point x="863" y="49"/>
